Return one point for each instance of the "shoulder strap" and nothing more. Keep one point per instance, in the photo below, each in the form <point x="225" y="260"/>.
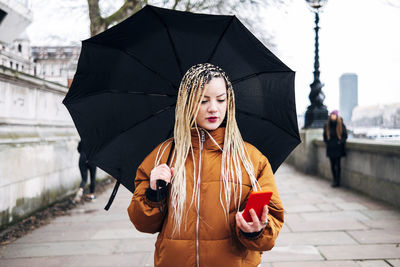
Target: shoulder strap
<point x="160" y="185"/>
<point x="170" y="152"/>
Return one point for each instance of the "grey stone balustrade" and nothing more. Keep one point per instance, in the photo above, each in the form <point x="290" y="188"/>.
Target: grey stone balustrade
<point x="370" y="167"/>
<point x="38" y="141"/>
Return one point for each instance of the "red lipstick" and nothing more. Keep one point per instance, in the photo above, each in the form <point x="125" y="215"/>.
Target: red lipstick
<point x="212" y="119"/>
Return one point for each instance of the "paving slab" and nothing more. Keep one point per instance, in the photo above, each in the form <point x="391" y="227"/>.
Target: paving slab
<point x="391" y="225"/>
<point x="394" y="263"/>
<point x="315" y="238"/>
<point x="327" y="207"/>
<point x="317" y="264"/>
<point x="292" y="253"/>
<point x="115" y="233"/>
<point x="335" y="216"/>
<point x="382" y="214"/>
<point x="361" y="252"/>
<point x="332" y="199"/>
<point x="375" y="263"/>
<point x="74" y="232"/>
<point x="376" y="236"/>
<point x="300" y="208"/>
<point x="296" y="199"/>
<point x="311" y="226"/>
<point x="133" y="259"/>
<point x="265" y="264"/>
<point x="375" y="205"/>
<point x="67" y="248"/>
<point x="350" y="206"/>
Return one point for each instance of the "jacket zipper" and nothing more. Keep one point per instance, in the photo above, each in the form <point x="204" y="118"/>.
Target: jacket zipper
<point x="198" y="199"/>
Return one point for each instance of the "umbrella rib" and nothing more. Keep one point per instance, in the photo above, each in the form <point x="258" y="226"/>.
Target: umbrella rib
<point x="178" y="61"/>
<point x="265" y="119"/>
<point x="220" y="39"/>
<point x="137" y="123"/>
<point x="135" y="58"/>
<point x="115" y="92"/>
<point x="152" y="115"/>
<point x="256" y="74"/>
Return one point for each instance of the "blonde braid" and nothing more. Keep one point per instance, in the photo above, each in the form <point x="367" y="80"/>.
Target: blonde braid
<point x="191" y="92"/>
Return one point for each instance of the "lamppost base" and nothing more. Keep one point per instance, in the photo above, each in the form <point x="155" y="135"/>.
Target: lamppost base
<point x="316" y="117"/>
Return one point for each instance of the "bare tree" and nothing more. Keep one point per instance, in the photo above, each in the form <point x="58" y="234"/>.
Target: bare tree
<point x="246" y="10"/>
<point x="99" y="24"/>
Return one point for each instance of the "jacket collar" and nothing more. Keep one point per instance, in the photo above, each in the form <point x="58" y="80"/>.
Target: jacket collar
<point x="218" y="135"/>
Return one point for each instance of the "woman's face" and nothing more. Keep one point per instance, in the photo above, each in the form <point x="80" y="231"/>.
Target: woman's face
<point x="333" y="117"/>
<point x="213" y="105"/>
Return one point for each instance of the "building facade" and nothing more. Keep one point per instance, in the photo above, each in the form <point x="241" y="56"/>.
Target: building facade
<point x="15" y="51"/>
<point x="38" y="140"/>
<point x="17" y="55"/>
<point x="56" y="63"/>
<point x="52" y="63"/>
<point x="15" y="16"/>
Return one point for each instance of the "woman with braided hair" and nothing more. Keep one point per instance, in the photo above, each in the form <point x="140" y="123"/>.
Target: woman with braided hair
<point x="210" y="175"/>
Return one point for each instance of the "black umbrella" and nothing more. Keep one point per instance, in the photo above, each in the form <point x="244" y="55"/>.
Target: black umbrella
<point x="122" y="99"/>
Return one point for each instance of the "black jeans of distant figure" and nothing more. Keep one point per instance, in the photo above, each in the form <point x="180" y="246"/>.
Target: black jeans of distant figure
<point x="84" y="166"/>
<point x="335" y="167"/>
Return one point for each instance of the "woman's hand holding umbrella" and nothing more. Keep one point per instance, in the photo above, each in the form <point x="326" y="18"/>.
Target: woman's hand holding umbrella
<point x="162" y="172"/>
<point x="255" y="226"/>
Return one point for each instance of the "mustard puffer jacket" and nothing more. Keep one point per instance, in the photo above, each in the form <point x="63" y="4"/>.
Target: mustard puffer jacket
<point x="206" y="239"/>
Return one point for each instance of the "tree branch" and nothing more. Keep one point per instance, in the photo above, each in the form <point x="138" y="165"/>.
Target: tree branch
<point x="94" y="16"/>
<point x="128" y="8"/>
<point x="175" y="4"/>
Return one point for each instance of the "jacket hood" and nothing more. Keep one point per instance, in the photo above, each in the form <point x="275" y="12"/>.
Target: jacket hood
<point x="218" y="135"/>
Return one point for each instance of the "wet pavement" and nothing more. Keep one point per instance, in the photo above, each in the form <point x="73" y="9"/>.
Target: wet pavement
<point x="324" y="226"/>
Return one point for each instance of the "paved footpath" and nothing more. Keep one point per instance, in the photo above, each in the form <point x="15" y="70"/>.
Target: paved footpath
<point x="323" y="227"/>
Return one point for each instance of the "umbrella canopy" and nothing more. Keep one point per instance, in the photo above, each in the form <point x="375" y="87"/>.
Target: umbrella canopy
<point x="122" y="99"/>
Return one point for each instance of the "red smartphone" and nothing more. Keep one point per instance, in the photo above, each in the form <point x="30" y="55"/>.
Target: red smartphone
<point x="257" y="200"/>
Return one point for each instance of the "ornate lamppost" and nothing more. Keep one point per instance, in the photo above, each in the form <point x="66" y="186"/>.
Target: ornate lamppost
<point x="317" y="113"/>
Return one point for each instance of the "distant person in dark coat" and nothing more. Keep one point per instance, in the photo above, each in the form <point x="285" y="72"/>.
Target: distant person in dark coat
<point x="84" y="166"/>
<point x="335" y="136"/>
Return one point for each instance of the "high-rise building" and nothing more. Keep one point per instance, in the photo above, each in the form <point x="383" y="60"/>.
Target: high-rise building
<point x="348" y="95"/>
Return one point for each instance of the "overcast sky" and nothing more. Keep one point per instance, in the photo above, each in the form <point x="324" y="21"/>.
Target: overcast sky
<point x="356" y="36"/>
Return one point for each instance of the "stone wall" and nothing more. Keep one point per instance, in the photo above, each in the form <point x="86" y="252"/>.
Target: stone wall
<point x="38" y="141"/>
<point x="370" y="167"/>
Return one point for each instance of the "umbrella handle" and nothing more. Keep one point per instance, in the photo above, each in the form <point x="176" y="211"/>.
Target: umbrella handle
<point x="114" y="192"/>
<point x="160" y="184"/>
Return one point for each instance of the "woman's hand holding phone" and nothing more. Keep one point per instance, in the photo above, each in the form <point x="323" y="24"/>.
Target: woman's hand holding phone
<point x="255" y="215"/>
<point x="256" y="225"/>
<point x="161" y="172"/>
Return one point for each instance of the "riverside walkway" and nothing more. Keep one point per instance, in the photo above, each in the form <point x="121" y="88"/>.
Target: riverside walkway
<point x="324" y="226"/>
